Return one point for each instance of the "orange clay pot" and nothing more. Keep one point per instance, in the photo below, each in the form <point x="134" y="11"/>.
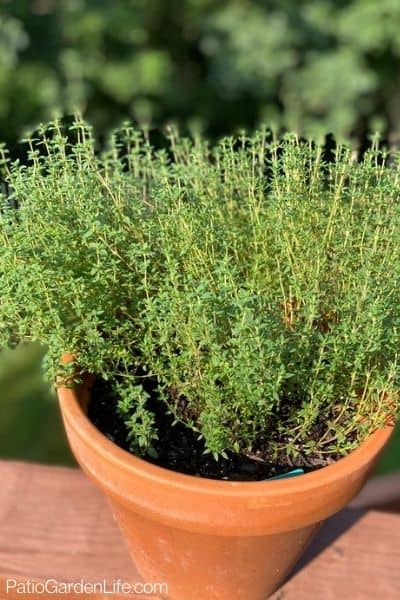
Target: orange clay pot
<point x="214" y="540"/>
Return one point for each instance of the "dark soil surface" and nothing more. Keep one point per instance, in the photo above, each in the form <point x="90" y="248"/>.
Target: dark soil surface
<point x="178" y="448"/>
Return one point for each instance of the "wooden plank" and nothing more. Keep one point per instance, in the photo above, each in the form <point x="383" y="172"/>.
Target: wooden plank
<point x="380" y="493"/>
<point x="54" y="524"/>
<point x="355" y="556"/>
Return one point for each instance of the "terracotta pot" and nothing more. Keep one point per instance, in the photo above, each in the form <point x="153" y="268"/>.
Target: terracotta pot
<point x="218" y="540"/>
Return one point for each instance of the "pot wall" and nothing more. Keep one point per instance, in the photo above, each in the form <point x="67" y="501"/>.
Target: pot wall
<point x="215" y="567"/>
<point x="218" y="540"/>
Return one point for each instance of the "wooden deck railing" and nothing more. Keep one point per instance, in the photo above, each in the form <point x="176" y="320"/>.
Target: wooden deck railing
<point x="54" y="525"/>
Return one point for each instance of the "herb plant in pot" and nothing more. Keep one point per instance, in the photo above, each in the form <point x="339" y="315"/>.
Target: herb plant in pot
<point x="224" y="314"/>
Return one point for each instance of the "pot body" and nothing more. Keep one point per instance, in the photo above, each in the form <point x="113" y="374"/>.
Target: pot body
<point x="219" y="540"/>
<point x="198" y="566"/>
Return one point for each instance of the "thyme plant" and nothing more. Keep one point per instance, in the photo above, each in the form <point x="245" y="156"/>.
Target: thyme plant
<point x="254" y="281"/>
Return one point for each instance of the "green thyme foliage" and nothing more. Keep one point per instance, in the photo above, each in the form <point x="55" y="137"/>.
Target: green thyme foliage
<point x="131" y="404"/>
<point x="258" y="285"/>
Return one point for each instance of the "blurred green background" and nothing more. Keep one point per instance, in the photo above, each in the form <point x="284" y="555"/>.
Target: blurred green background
<point x="313" y="66"/>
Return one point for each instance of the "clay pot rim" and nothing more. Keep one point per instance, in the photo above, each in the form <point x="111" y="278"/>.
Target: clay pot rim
<point x="73" y="411"/>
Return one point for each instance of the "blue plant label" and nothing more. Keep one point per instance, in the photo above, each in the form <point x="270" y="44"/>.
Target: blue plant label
<point x="287" y="475"/>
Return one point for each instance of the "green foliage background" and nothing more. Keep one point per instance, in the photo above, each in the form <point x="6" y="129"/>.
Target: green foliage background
<point x="309" y="65"/>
